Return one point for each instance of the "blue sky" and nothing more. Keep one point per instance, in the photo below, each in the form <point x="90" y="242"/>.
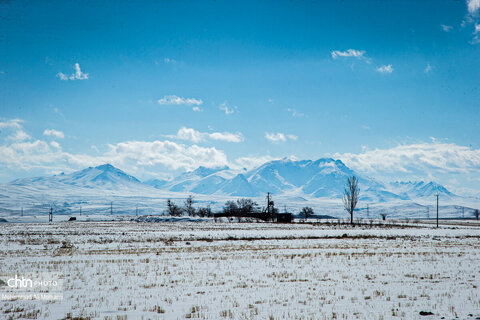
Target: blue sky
<point x="156" y="88"/>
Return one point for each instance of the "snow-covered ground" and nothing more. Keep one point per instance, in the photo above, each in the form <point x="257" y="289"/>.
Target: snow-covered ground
<point x="203" y="269"/>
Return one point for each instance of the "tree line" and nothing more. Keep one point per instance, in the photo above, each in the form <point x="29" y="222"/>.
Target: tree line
<point x="240" y="207"/>
<point x="188" y="209"/>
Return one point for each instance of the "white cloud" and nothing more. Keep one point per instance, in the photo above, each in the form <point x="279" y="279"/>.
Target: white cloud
<point x="13" y="124"/>
<point x="279" y="137"/>
<point x="55" y="144"/>
<point x="167" y="153"/>
<point x="473" y="18"/>
<point x="359" y="54"/>
<point x="176" y="100"/>
<point x="227" y="136"/>
<point x="62" y="76"/>
<point x="473" y="6"/>
<point x="26" y="155"/>
<point x="18" y="154"/>
<point x="54" y="133"/>
<point x="78" y="75"/>
<point x="195" y="136"/>
<point x="228" y="110"/>
<point x="415" y="158"/>
<point x="169" y="61"/>
<point x="189" y="134"/>
<point x="131" y="154"/>
<point x="428" y="68"/>
<point x="19" y="135"/>
<point x="295" y="113"/>
<point x="385" y="69"/>
<point x="446" y="28"/>
<point x="275" y="137"/>
<point x="179" y="101"/>
<point x="292" y="137"/>
<point x="251" y="162"/>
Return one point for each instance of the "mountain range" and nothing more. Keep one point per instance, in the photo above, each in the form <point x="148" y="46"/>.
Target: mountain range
<point x="106" y="190"/>
<point x="323" y="178"/>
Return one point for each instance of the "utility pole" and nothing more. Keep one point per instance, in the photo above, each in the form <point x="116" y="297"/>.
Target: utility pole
<point x="80" y="209"/>
<point x="268" y="202"/>
<point x="50" y="215"/>
<point x="111" y="207"/>
<point x="437" y="209"/>
<point x="270" y="207"/>
<point x="22" y="212"/>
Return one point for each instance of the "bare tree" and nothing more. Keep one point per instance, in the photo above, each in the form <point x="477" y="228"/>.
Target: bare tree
<point x="173" y="209"/>
<point x="350" y="195"/>
<point x="230" y="209"/>
<point x="246" y="206"/>
<point x="204" y="212"/>
<point x="476" y="213"/>
<point x="306" y="212"/>
<point x="189" y="206"/>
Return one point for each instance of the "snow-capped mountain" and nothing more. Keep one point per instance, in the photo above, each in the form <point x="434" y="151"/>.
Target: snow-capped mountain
<point x="105" y="176"/>
<point x="419" y="189"/>
<point x="202" y="180"/>
<point x="293" y="183"/>
<point x="321" y="178"/>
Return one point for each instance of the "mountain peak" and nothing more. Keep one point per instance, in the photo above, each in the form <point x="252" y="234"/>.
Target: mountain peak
<point x="103" y="174"/>
<point x="105" y="167"/>
<point x="204" y="171"/>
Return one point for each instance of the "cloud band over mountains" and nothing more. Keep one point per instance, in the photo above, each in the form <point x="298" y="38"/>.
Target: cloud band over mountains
<point x="22" y="153"/>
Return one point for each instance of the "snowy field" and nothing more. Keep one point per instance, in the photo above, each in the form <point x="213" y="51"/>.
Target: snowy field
<point x="207" y="270"/>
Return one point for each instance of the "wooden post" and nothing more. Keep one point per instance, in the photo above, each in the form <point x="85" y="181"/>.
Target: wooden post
<point x="437" y="210"/>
